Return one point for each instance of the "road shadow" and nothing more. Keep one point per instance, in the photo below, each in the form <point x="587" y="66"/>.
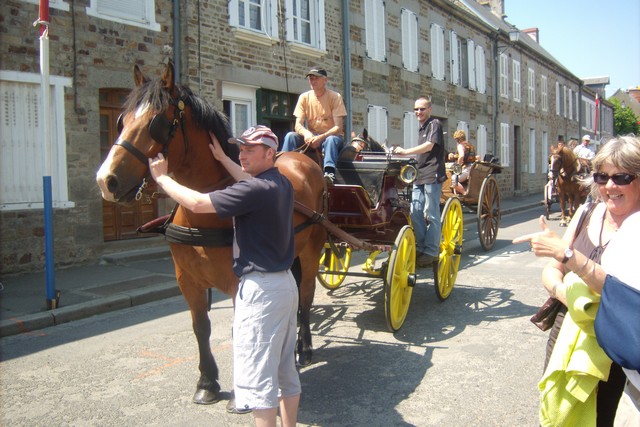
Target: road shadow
<point x="360" y="384"/>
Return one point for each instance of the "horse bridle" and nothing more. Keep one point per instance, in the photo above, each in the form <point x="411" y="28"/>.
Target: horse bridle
<point x="162" y="131"/>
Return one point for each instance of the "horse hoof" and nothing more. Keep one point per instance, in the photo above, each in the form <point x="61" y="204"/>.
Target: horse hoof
<point x="206" y="397"/>
<point x="304" y="358"/>
<point x="563" y="224"/>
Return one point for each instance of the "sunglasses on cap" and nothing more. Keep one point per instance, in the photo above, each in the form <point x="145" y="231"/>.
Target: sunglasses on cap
<point x="617" y="178"/>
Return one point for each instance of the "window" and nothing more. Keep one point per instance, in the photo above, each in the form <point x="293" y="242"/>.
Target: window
<point x="240" y="106"/>
<point x="305" y="23"/>
<point x="54" y="4"/>
<point x="532" y="87"/>
<point x="456" y="60"/>
<point x="545" y="153"/>
<point x="437" y="51"/>
<point x="471" y="58"/>
<point x="257" y="20"/>
<point x="21" y="142"/>
<point x="140" y="13"/>
<point x="464" y="126"/>
<point x="410" y="132"/>
<point x="481" y="141"/>
<point x="532" y="151"/>
<point x="516" y="81"/>
<point x="570" y="100"/>
<point x="481" y="77"/>
<point x="564" y="101"/>
<point x="558" y="103"/>
<point x="504" y="144"/>
<point x="375" y="30"/>
<point x="544" y="95"/>
<point x="409" y="40"/>
<point x="504" y="76"/>
<point x="377" y="123"/>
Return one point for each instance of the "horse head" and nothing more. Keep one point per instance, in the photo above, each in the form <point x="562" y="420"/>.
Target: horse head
<point x="363" y="142"/>
<point x="158" y="116"/>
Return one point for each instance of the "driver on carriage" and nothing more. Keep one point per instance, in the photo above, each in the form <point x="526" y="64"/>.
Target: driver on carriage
<point x="584" y="155"/>
<point x="464" y="158"/>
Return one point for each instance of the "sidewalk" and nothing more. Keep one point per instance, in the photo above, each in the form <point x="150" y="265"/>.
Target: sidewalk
<point x="119" y="281"/>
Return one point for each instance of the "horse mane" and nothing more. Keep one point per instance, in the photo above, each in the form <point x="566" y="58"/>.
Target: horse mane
<point x="567" y="153"/>
<point x="203" y="113"/>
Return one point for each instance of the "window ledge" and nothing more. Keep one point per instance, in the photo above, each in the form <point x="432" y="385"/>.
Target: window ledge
<point x="307" y="50"/>
<point x="253" y="36"/>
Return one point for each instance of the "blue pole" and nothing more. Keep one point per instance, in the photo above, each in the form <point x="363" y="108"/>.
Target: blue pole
<point x="52" y="300"/>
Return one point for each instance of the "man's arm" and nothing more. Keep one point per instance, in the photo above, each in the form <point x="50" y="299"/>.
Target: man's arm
<point x="193" y="200"/>
<point x="425" y="147"/>
<point x="335" y="130"/>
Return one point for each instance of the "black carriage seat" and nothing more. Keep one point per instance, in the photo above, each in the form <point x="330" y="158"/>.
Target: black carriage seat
<point x="368" y="173"/>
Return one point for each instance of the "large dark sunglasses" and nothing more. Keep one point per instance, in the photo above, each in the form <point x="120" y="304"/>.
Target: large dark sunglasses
<point x="617" y="178"/>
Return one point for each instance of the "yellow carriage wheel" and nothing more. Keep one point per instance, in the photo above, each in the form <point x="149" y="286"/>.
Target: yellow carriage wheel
<point x="488" y="213"/>
<point x="446" y="270"/>
<point x="330" y="260"/>
<point x="400" y="278"/>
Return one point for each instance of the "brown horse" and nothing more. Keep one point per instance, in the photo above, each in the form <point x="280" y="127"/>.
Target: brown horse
<point x="162" y="116"/>
<point x="564" y="170"/>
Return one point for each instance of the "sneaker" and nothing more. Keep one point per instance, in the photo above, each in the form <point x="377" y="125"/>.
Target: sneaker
<point x="425" y="260"/>
<point x="329" y="177"/>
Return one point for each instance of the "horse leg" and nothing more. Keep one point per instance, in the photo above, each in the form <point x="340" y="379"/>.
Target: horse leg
<point x="563" y="206"/>
<point x="208" y="388"/>
<point x="304" y="349"/>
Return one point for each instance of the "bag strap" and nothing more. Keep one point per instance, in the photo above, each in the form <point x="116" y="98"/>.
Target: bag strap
<point x="586" y="214"/>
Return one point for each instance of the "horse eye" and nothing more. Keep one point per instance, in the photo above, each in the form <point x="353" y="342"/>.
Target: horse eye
<point x="120" y="124"/>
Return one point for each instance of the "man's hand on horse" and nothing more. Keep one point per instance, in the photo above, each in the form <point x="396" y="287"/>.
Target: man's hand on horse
<point x="544" y="243"/>
<point x="216" y="148"/>
<point x="158" y="166"/>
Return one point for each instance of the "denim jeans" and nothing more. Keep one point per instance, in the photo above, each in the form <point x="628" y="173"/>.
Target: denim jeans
<point x="331" y="146"/>
<point x="425" y="203"/>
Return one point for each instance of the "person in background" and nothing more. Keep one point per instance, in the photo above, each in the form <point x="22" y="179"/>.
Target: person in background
<point x="581" y="385"/>
<point x="427" y="187"/>
<point x="464" y="157"/>
<point x="320" y="115"/>
<point x="585" y="155"/>
<point x="266" y="304"/>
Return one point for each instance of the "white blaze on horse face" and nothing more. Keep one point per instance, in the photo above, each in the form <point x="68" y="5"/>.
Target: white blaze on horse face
<point x="103" y="174"/>
<point x="142" y="108"/>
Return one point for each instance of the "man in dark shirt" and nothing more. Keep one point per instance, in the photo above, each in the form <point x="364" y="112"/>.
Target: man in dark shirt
<point x="428" y="185"/>
<point x="266" y="304"/>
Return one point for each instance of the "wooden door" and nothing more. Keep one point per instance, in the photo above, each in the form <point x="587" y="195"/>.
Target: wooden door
<point x="119" y="222"/>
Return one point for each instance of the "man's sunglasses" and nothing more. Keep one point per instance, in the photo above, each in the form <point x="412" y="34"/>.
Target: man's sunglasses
<point x="618" y="178"/>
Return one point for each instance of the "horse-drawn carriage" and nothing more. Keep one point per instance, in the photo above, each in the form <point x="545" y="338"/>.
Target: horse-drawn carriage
<point x="368" y="209"/>
<point x="566" y="172"/>
<point x="482" y="197"/>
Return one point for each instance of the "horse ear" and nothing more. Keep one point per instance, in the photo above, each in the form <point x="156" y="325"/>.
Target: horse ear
<point x="138" y="77"/>
<point x="168" y="76"/>
<point x="365" y="134"/>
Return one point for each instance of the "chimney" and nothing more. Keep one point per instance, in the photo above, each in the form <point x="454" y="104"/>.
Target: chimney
<point x="534" y="33"/>
<point x="634" y="92"/>
<point x="496" y="6"/>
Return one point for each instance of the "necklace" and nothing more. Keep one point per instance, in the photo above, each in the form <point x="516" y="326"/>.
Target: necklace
<point x="597" y="252"/>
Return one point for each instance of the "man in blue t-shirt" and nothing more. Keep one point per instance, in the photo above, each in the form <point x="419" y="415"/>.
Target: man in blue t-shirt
<point x="266" y="304"/>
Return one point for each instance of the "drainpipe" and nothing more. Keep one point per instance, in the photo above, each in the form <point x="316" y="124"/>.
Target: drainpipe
<point x="176" y="39"/>
<point x="346" y="67"/>
<point x="496" y="94"/>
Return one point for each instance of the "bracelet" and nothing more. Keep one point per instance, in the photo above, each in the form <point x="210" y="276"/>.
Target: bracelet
<point x="580" y="271"/>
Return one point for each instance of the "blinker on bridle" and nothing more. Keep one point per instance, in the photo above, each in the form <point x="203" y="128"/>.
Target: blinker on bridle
<point x="161" y="130"/>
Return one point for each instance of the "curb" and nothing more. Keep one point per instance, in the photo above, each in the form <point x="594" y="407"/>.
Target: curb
<point x="58" y="316"/>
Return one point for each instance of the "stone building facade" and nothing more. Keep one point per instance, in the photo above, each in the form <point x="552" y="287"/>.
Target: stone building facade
<point x="249" y="60"/>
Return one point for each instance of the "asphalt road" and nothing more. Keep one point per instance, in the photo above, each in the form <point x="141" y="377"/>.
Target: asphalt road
<point x="473" y="360"/>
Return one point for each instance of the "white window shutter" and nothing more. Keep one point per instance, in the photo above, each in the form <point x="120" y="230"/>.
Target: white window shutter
<point x="471" y="54"/>
<point x="233" y="13"/>
<point x="481" y="78"/>
<point x="322" y="35"/>
<point x="453" y="53"/>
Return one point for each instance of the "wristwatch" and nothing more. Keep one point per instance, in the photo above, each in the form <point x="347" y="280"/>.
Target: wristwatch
<point x="568" y="253"/>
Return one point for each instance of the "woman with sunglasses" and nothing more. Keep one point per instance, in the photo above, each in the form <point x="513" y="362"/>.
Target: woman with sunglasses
<point x="580" y="385"/>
